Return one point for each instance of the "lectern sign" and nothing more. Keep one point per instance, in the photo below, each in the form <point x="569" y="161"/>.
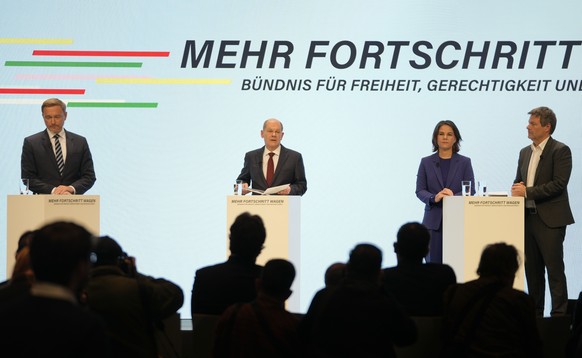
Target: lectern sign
<point x="494" y="202"/>
<point x="257" y="200"/>
<point x="30" y="212"/>
<point x="472" y="222"/>
<point x="75" y="201"/>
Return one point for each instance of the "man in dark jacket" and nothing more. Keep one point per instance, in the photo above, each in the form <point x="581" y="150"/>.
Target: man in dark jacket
<point x="219" y="286"/>
<point x="133" y="305"/>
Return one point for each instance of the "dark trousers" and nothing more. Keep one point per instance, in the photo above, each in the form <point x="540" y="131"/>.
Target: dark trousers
<point x="435" y="253"/>
<point x="544" y="251"/>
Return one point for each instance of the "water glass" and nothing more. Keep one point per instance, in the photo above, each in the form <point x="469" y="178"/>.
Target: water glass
<point x="24" y="188"/>
<point x="482" y="188"/>
<point x="238" y="187"/>
<point x="466" y="187"/>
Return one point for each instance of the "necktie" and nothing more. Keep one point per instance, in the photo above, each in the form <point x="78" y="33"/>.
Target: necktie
<point x="59" y="154"/>
<point x="270" y="169"/>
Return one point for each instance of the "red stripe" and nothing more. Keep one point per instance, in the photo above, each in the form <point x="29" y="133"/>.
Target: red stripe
<point x="41" y="91"/>
<point x="100" y="53"/>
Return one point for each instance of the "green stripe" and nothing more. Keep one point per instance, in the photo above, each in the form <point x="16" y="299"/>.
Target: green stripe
<point x="71" y="64"/>
<point x="114" y="104"/>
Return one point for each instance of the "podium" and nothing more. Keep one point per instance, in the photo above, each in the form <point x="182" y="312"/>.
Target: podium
<point x="472" y="222"/>
<point x="31" y="212"/>
<point x="282" y="218"/>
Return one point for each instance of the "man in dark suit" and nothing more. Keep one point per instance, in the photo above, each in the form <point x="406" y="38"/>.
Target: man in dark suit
<point x="130" y="303"/>
<point x="56" y="161"/>
<point x="48" y="321"/>
<point x="356" y="318"/>
<point x="418" y="287"/>
<point x="219" y="286"/>
<point x="262" y="328"/>
<point x="542" y="177"/>
<point x="273" y="164"/>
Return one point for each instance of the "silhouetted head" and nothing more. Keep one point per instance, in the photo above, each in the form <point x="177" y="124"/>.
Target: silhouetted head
<point x="106" y="252"/>
<point x="24" y="241"/>
<point x="365" y="262"/>
<point x="499" y="260"/>
<point x="60" y="252"/>
<point x="277" y="278"/>
<point x="247" y="235"/>
<point x="412" y="242"/>
<point x="334" y="274"/>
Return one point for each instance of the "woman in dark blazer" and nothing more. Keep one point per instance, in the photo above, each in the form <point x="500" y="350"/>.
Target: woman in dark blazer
<point x="440" y="175"/>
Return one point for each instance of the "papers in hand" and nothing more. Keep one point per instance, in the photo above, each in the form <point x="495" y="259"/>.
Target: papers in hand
<point x="269" y="191"/>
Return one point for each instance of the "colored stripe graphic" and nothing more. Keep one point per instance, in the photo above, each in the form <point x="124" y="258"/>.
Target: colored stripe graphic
<point x="33" y="41"/>
<point x="164" y="81"/>
<point x="71" y="64"/>
<point x="100" y="53"/>
<point x="62" y="77"/>
<point x="33" y="101"/>
<point x="41" y="91"/>
<point x="114" y="104"/>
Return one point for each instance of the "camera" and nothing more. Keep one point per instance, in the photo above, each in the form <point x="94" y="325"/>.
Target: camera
<point x="127" y="264"/>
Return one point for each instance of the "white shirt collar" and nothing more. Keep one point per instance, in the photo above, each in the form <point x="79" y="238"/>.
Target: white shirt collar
<point x="541" y="146"/>
<point x="276" y="151"/>
<point x="61" y="133"/>
<point x="51" y="290"/>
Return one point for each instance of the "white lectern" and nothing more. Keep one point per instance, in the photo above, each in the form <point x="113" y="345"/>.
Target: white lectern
<point x="472" y="222"/>
<point x="30" y="212"/>
<point x="282" y="218"/>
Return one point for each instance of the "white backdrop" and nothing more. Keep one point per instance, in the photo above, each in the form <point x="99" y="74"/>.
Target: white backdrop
<point x="163" y="172"/>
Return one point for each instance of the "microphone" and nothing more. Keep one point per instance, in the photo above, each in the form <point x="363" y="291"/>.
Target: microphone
<point x="541" y="157"/>
<point x="438" y="165"/>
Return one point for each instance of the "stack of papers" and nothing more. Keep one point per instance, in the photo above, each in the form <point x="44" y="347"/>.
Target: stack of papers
<point x="497" y="193"/>
<point x="269" y="191"/>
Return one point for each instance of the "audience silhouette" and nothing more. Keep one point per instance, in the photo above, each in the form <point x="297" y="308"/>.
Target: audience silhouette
<point x="48" y="321"/>
<point x="363" y="311"/>
<point x="219" y="286"/>
<point x="335" y="274"/>
<point x="416" y="286"/>
<point x="132" y="305"/>
<point x="356" y="318"/>
<point x="486" y="317"/>
<point x="261" y="328"/>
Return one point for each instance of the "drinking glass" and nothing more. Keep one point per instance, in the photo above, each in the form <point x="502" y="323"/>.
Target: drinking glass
<point x="466" y="187"/>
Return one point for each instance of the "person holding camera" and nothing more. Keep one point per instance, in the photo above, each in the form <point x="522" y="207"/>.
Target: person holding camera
<point x="132" y="305"/>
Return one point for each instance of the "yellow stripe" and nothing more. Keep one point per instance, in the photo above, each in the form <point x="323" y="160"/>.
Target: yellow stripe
<point x="163" y="81"/>
<point x="29" y="41"/>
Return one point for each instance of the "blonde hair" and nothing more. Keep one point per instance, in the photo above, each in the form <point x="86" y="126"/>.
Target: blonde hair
<point x="51" y="102"/>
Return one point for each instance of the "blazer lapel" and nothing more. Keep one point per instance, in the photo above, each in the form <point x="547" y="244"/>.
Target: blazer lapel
<point x="70" y="149"/>
<point x="437" y="170"/>
<point x="525" y="164"/>
<point x="260" y="176"/>
<point x="283" y="155"/>
<point x="453" y="170"/>
<point x="547" y="149"/>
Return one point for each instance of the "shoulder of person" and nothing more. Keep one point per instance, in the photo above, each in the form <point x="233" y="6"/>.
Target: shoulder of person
<point x="210" y="268"/>
<point x="38" y="135"/>
<point x="74" y="135"/>
<point x="461" y="157"/>
<point x="289" y="151"/>
<point x="555" y="144"/>
<point x="432" y="157"/>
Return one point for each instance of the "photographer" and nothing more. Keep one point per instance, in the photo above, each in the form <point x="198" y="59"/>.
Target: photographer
<point x="132" y="305"/>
